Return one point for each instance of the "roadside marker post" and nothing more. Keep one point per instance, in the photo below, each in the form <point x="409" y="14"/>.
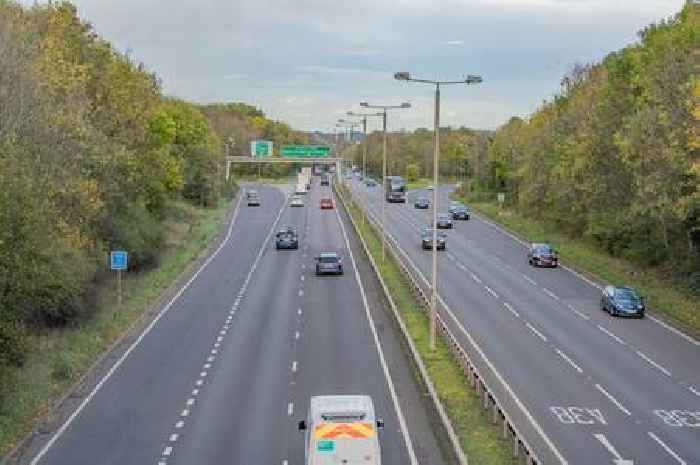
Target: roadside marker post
<point x="118" y="260"/>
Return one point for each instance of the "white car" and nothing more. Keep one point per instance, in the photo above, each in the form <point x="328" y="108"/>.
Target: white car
<point x="429" y="188"/>
<point x="296" y="201"/>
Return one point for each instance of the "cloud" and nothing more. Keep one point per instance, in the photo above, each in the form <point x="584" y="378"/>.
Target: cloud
<point x="309" y="61"/>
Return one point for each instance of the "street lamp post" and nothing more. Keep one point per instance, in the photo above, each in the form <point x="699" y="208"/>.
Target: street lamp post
<point x="384" y="109"/>
<point x="469" y="79"/>
<point x="348" y="124"/>
<point x="364" y="117"/>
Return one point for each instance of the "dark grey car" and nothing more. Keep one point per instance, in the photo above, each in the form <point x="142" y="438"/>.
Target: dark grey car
<point x="460" y="212"/>
<point x="444" y="221"/>
<point x="622" y="301"/>
<point x="427" y="239"/>
<point x="287" y="238"/>
<point x="422" y="203"/>
<point x="540" y="254"/>
<point x="329" y="263"/>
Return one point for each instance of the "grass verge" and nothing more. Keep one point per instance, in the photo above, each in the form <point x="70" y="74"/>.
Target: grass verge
<point x="480" y="440"/>
<point x="663" y="294"/>
<point x="419" y="184"/>
<point x="62" y="356"/>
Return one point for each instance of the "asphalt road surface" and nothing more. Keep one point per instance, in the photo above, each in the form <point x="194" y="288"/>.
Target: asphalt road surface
<point x="592" y="389"/>
<point x="227" y="370"/>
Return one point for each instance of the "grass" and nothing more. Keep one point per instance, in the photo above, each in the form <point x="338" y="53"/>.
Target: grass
<point x="663" y="294"/>
<point x="61" y="356"/>
<point x="419" y="184"/>
<point x="480" y="440"/>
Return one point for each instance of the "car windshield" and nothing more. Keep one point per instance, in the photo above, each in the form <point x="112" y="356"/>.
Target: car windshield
<point x="328" y="259"/>
<point x="542" y="248"/>
<point x="460" y="208"/>
<point x="626" y="295"/>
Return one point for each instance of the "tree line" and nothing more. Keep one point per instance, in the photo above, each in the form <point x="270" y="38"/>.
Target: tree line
<point x="614" y="158"/>
<point x="92" y="156"/>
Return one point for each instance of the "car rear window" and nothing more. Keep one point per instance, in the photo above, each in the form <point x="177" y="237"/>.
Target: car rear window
<point x="328" y="259"/>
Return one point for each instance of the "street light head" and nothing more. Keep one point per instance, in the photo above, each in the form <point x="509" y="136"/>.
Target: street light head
<point x="472" y="79"/>
<point x="364" y="104"/>
<point x="402" y="76"/>
<point x="405" y="105"/>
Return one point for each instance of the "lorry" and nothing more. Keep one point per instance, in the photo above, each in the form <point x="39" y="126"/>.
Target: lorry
<point x="341" y="429"/>
<point x="395" y="189"/>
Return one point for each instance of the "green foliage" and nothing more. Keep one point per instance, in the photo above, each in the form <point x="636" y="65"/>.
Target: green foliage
<point x="138" y="232"/>
<point x="412" y="172"/>
<point x="612" y="157"/>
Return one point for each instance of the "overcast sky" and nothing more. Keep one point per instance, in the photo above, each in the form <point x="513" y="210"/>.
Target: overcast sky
<point x="307" y="62"/>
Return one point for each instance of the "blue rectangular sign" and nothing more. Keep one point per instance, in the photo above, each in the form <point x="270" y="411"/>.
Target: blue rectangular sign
<point x="118" y="260"/>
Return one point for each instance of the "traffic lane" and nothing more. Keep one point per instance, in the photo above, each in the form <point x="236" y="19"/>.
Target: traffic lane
<point x="484" y="318"/>
<point x="591" y="411"/>
<point x="123" y="422"/>
<point x="426" y="431"/>
<point x="240" y="414"/>
<point x="336" y="352"/>
<point x="657" y="343"/>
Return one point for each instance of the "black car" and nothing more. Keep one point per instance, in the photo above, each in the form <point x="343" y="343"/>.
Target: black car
<point x="325" y="181"/>
<point x="253" y="200"/>
<point x="422" y="203"/>
<point x="427" y="239"/>
<point x="444" y="221"/>
<point x="369" y="182"/>
<point x="540" y="254"/>
<point x="329" y="263"/>
<point x="622" y="301"/>
<point x="287" y="238"/>
<point x="460" y="212"/>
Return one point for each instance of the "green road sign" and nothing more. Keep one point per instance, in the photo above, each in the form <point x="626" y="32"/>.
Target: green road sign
<point x="261" y="148"/>
<point x="305" y="151"/>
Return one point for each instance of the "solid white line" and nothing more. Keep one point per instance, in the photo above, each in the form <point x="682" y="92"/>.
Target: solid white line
<point x="167" y="451"/>
<point x="294" y="366"/>
<point x="290" y="409"/>
<point x="511" y="309"/>
<point x="550" y="293"/>
<point x="179" y="424"/>
<point x="675" y="331"/>
<point x="611" y="334"/>
<point x="612" y="399"/>
<point x="135" y="344"/>
<point x="603" y="440"/>
<point x="380" y="352"/>
<point x="534" y="330"/>
<point x="656" y="365"/>
<point x="173" y="437"/>
<point x="666" y="448"/>
<point x="571" y="362"/>
<point x="491" y="291"/>
<point x="530" y="280"/>
<point x="511" y="392"/>
<point x="694" y="391"/>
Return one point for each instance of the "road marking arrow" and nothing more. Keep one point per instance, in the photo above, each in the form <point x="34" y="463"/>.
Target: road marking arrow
<point x="618" y="460"/>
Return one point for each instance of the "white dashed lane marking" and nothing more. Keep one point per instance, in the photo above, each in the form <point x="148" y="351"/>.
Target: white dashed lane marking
<point x="667" y="449"/>
<point x="491" y="291"/>
<point x="550" y="293"/>
<point x="294" y="367"/>
<point x="536" y="331"/>
<point x="569" y="361"/>
<point x="611" y="334"/>
<point x="185" y="413"/>
<point x="173" y="437"/>
<point x="179" y="424"/>
<point x="612" y="399"/>
<point x="653" y="363"/>
<point x="167" y="451"/>
<point x="511" y="309"/>
<point x="694" y="391"/>
<point x="529" y="279"/>
<point x="290" y="409"/>
<point x="296" y="335"/>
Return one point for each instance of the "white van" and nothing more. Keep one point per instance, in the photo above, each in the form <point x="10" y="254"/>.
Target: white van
<point x="341" y="430"/>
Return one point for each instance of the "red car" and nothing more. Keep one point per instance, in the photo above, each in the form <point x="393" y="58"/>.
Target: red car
<point x="326" y="204"/>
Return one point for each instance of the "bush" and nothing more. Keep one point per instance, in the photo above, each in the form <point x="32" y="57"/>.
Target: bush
<point x="135" y="230"/>
<point x="412" y="172"/>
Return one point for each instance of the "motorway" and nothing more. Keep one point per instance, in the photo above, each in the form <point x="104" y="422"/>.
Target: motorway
<point x="227" y="369"/>
<point x="590" y="389"/>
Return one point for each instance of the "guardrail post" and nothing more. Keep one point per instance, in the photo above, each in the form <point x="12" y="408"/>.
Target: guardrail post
<point x="505" y="428"/>
<point x="494" y="415"/>
<point x="516" y="445"/>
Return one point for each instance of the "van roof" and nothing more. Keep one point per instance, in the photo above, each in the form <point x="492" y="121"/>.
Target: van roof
<point x="323" y="407"/>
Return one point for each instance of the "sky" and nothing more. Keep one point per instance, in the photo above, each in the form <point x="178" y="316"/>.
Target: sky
<point x="307" y="62"/>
